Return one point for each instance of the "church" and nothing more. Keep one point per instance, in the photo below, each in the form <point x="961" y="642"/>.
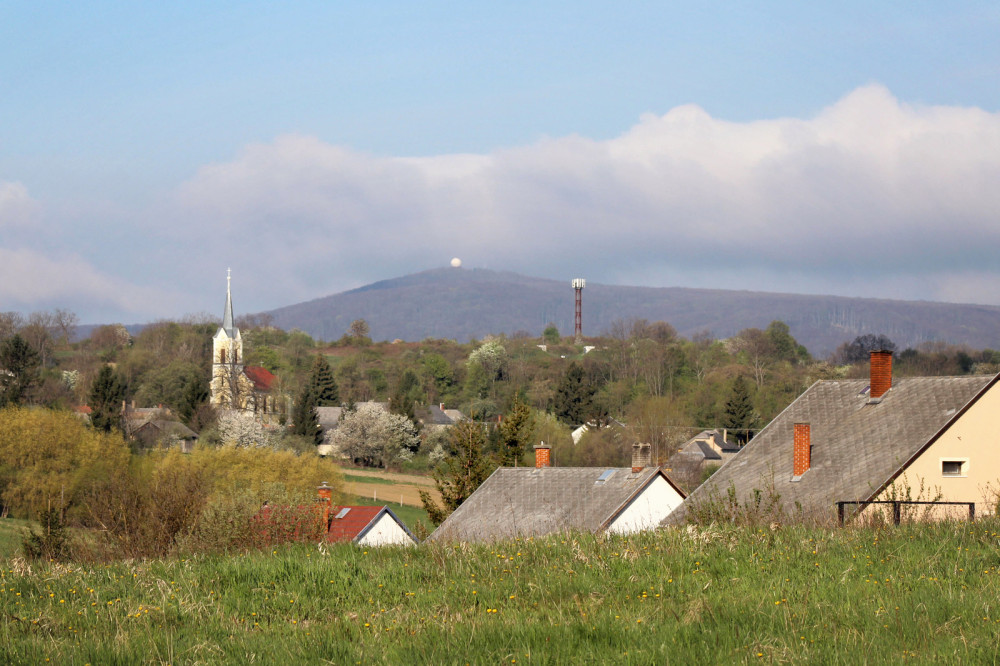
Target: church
<point x="235" y="386"/>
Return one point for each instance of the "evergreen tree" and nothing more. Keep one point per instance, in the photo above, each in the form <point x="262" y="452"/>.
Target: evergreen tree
<point x="406" y="394"/>
<point x="515" y="432"/>
<point x="322" y="383"/>
<point x="739" y="415"/>
<point x="195" y="393"/>
<point x="460" y="474"/>
<point x="305" y="421"/>
<point x="574" y="399"/>
<point x="106" y="396"/>
<point x="19" y="365"/>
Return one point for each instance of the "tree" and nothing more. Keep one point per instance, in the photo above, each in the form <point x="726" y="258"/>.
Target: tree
<point x="373" y="437"/>
<point x="460" y="474"/>
<point x="406" y="394"/>
<point x="574" y="399"/>
<point x="857" y="351"/>
<point x="551" y="334"/>
<point x="195" y="395"/>
<point x="242" y="430"/>
<point x="359" y="331"/>
<point x="106" y="396"/>
<point x="19" y="365"/>
<point x="305" y="421"/>
<point x="739" y="415"/>
<point x="515" y="433"/>
<point x="322" y="384"/>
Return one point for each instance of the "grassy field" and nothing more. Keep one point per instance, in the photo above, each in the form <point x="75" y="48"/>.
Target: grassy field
<point x="12" y="532"/>
<point x="716" y="595"/>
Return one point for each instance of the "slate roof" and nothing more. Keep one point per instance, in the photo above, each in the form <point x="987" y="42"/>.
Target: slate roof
<point x="858" y="445"/>
<point x="167" y="427"/>
<point x="356" y="522"/>
<point x="528" y="501"/>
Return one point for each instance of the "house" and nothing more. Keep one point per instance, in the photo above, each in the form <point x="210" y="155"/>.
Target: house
<point x="917" y="438"/>
<point x="363" y="525"/>
<point x="152" y="426"/>
<point x="707" y="450"/>
<point x="526" y="501"/>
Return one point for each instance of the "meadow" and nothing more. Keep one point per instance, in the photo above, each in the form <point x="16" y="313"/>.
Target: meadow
<point x="707" y="594"/>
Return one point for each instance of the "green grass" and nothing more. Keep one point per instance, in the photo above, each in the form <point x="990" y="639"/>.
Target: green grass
<point x="369" y="479"/>
<point x="12" y="531"/>
<point x="718" y="595"/>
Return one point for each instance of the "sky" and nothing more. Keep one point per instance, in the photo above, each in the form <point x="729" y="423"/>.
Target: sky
<point x="848" y="148"/>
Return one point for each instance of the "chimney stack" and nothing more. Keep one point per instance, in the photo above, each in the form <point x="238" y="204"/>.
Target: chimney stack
<point x="802" y="453"/>
<point x="325" y="493"/>
<point x="641" y="457"/>
<point x="881" y="373"/>
<point x="543" y="455"/>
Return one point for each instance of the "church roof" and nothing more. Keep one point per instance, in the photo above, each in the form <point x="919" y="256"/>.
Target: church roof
<point x="228" y="323"/>
<point x="261" y="377"/>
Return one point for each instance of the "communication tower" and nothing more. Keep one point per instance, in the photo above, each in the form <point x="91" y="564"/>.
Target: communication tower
<point x="578" y="284"/>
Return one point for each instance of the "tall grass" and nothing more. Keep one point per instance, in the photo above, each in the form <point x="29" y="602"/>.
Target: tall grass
<point x="731" y="594"/>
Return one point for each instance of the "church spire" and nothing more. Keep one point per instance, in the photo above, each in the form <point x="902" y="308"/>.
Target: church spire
<point x="227" y="315"/>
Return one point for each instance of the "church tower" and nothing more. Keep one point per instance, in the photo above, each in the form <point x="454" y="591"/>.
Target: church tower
<point x="227" y="358"/>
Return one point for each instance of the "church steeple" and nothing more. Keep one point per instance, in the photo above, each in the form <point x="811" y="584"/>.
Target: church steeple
<point x="227" y="315"/>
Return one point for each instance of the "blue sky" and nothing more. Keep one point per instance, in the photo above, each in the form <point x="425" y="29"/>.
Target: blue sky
<point x="315" y="147"/>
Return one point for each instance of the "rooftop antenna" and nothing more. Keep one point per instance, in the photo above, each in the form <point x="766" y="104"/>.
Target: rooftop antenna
<point x="578" y="284"/>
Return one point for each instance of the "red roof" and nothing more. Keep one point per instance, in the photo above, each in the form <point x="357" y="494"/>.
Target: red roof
<point x="353" y="522"/>
<point x="261" y="377"/>
<point x="83" y="409"/>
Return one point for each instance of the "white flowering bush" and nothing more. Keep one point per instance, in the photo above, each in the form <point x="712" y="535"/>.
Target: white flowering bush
<point x="242" y="430"/>
<point x="373" y="437"/>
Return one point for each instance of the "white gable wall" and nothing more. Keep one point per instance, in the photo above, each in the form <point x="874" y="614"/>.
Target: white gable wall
<point x="646" y="510"/>
<point x="386" y="532"/>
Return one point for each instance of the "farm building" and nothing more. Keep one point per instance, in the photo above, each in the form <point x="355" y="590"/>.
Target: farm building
<point x="875" y="439"/>
<point x="526" y="501"/>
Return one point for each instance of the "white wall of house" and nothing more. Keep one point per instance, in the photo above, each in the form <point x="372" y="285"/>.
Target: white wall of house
<point x="386" y="532"/>
<point x="646" y="510"/>
<point x="974" y="443"/>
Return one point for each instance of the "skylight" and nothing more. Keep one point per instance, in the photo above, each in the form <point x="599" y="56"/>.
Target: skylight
<point x="605" y="475"/>
<point x="342" y="512"/>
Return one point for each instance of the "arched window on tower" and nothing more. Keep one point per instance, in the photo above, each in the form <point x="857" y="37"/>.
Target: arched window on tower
<point x="222" y="356"/>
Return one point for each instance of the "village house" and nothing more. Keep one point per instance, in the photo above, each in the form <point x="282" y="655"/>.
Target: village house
<point x="700" y="455"/>
<point x="875" y="439"/>
<point x="534" y="501"/>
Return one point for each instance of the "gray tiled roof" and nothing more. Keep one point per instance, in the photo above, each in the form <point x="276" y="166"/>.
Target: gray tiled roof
<point x="856" y="446"/>
<point x="526" y="501"/>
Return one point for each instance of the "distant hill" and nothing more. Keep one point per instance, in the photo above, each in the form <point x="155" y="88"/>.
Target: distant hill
<point x="462" y="303"/>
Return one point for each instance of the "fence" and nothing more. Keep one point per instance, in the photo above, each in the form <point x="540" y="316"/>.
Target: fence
<point x="897" y="507"/>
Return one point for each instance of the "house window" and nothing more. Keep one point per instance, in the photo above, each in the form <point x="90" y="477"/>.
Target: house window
<point x="954" y="466"/>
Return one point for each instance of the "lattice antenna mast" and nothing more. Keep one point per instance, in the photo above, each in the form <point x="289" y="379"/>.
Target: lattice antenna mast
<point x="578" y="284"/>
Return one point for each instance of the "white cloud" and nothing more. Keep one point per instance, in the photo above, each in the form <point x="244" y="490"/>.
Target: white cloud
<point x="17" y="209"/>
<point x="871" y="192"/>
<point x="32" y="280"/>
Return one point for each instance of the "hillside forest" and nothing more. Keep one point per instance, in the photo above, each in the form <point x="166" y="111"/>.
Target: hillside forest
<point x="641" y="378"/>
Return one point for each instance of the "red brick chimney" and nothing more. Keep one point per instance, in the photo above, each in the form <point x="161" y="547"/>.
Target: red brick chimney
<point x="325" y="493"/>
<point x="543" y="455"/>
<point x="881" y="373"/>
<point x="802" y="450"/>
<point x="641" y="457"/>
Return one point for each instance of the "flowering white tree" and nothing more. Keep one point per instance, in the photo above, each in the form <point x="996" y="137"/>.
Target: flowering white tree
<point x="241" y="429"/>
<point x="374" y="437"/>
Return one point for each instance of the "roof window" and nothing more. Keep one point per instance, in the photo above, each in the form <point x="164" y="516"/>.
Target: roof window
<point x="343" y="512"/>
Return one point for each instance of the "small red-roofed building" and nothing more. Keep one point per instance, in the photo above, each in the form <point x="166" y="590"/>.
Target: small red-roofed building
<point x="368" y="526"/>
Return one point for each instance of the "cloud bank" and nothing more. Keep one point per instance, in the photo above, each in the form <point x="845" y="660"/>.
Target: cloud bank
<point x="871" y="197"/>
